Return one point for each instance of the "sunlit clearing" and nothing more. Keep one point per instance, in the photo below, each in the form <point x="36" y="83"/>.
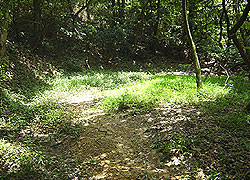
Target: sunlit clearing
<point x="162" y="89"/>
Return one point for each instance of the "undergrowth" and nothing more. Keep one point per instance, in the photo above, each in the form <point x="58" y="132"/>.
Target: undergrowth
<point x="38" y="113"/>
<point x="33" y="119"/>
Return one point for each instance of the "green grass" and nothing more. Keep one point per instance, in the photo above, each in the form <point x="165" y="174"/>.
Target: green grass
<point x="165" y="89"/>
<point x="38" y="110"/>
<point x="96" y="81"/>
<point x="19" y="161"/>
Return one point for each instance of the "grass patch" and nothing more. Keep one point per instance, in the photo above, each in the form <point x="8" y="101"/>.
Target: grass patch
<point x="18" y="161"/>
<point x="96" y="81"/>
<point x="215" y="138"/>
<point x="164" y="89"/>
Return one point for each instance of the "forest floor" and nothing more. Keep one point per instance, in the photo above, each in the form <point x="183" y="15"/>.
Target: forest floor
<point x="186" y="134"/>
<point x="127" y="145"/>
<point x="119" y="146"/>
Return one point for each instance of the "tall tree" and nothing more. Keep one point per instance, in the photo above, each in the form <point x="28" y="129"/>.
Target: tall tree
<point x="4" y="25"/>
<point x="37" y="20"/>
<point x="192" y="45"/>
<point x="232" y="32"/>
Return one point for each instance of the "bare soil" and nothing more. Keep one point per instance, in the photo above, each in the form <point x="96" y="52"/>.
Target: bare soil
<point x="127" y="145"/>
<point x="119" y="145"/>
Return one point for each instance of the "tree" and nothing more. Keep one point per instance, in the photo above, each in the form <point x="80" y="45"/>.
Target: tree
<point x="4" y="25"/>
<point x="232" y="32"/>
<point x="37" y="20"/>
<point x="192" y="44"/>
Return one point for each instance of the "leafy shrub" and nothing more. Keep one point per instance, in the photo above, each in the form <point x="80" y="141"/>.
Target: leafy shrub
<point x="114" y="42"/>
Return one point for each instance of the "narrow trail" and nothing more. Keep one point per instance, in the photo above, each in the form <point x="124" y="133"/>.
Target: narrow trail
<point x="117" y="146"/>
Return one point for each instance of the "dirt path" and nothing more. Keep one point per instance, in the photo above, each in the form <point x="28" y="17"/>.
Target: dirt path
<point x="117" y="146"/>
<point x="113" y="146"/>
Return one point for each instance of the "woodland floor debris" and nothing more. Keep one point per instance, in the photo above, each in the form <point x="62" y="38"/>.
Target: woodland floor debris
<point x="163" y="143"/>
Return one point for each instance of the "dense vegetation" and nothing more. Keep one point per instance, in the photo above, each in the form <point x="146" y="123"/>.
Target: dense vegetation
<point x="134" y="56"/>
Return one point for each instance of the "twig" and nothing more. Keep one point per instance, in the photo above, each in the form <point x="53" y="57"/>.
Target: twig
<point x="228" y="76"/>
<point x="60" y="142"/>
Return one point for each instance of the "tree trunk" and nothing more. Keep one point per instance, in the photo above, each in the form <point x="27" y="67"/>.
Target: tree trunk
<point x="192" y="44"/>
<point x="232" y="32"/>
<point x="114" y="13"/>
<point x="158" y="17"/>
<point x="37" y="20"/>
<point x="4" y="28"/>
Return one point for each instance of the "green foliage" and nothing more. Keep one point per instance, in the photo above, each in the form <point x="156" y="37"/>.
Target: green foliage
<point x="118" y="36"/>
<point x="99" y="79"/>
<point x="4" y="74"/>
<point x="48" y="118"/>
<point x="134" y="91"/>
<point x="115" y="42"/>
<point x="22" y="153"/>
<point x="21" y="162"/>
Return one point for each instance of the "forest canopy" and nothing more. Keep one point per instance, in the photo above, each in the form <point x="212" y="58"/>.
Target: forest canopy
<point x="122" y="29"/>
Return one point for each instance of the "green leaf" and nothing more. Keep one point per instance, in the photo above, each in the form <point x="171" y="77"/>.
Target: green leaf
<point x="247" y="25"/>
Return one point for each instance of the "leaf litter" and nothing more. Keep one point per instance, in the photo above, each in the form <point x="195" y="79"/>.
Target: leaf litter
<point x="172" y="141"/>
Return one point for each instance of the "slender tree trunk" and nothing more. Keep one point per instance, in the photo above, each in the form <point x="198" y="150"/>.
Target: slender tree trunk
<point x="158" y="17"/>
<point x="139" y="31"/>
<point x="192" y="44"/>
<point x="4" y="34"/>
<point x="37" y="20"/>
<point x="232" y="33"/>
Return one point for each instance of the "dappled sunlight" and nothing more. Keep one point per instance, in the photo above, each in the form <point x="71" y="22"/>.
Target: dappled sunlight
<point x="115" y="90"/>
<point x="16" y="157"/>
<point x="118" y="145"/>
<point x="162" y="126"/>
<point x="80" y="97"/>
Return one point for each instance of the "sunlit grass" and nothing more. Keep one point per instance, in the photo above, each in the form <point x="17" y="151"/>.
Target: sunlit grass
<point x="67" y="85"/>
<point x="20" y="160"/>
<point x="164" y="89"/>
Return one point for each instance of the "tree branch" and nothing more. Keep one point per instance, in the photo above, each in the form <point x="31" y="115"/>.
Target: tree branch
<point x="82" y="8"/>
<point x="241" y="20"/>
<point x="226" y="15"/>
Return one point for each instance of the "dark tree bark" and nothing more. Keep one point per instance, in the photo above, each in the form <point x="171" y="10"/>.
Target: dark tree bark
<point x="82" y="8"/>
<point x="232" y="35"/>
<point x="4" y="29"/>
<point x="158" y="17"/>
<point x="232" y="32"/>
<point x="192" y="44"/>
<point x="241" y="20"/>
<point x="75" y="15"/>
<point x="37" y="20"/>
